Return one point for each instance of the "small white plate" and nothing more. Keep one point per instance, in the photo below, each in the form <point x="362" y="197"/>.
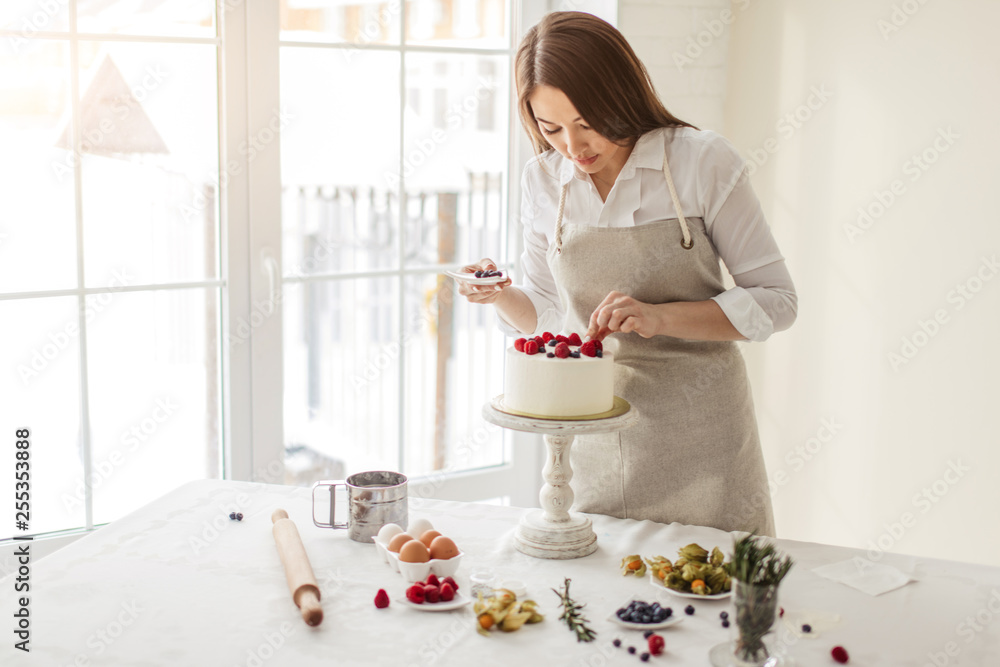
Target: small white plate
<point x="674" y="619"/>
<point x="656" y="583"/>
<point x="458" y="602"/>
<point x="471" y="278"/>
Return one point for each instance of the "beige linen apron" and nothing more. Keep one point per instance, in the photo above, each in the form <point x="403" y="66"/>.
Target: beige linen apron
<point x="694" y="456"/>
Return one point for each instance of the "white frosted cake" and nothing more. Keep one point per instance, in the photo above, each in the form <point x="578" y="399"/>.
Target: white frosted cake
<point x="566" y="379"/>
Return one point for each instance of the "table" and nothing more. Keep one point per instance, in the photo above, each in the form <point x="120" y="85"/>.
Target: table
<point x="178" y="583"/>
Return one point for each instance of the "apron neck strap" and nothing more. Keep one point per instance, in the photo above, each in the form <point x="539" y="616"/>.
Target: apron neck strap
<point x="687" y="243"/>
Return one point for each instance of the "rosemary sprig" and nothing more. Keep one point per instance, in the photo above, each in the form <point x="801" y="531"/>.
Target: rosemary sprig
<point x="758" y="569"/>
<point x="756" y="561"/>
<point x="572" y="615"/>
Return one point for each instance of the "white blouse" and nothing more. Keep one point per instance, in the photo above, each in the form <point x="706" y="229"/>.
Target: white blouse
<point x="712" y="184"/>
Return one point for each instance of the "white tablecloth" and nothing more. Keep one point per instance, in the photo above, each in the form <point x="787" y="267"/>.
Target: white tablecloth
<point x="178" y="583"/>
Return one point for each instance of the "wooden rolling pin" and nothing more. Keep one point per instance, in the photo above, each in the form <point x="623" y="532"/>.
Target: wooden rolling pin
<point x="298" y="571"/>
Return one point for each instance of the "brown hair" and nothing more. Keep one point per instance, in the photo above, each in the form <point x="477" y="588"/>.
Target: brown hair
<point x="589" y="60"/>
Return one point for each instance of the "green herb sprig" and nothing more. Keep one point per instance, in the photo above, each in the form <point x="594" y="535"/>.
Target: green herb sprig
<point x="572" y="615"/>
<point x="757" y="562"/>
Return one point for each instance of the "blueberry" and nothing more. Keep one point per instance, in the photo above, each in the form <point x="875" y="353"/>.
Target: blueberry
<point x="725" y="622"/>
<point x="575" y="354"/>
<point x="724" y="614"/>
<point x="806" y="628"/>
<point x="553" y="343"/>
<point x="669" y="611"/>
<point x="646" y="618"/>
<point x="600" y="353"/>
<point x="655" y="605"/>
<point x="617" y="642"/>
<point x="232" y="515"/>
<point x="621" y="613"/>
<point x="550" y="355"/>
<point x="644" y="657"/>
<point x="478" y="274"/>
<point x="660" y="616"/>
<point x="689" y="610"/>
<point x="239" y="516"/>
<point x="647" y="634"/>
<point x="631" y="649"/>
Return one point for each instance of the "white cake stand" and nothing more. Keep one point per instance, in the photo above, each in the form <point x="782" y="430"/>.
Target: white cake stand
<point x="555" y="532"/>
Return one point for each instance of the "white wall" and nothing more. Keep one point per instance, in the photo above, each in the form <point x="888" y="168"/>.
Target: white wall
<point x="684" y="45"/>
<point x="852" y="435"/>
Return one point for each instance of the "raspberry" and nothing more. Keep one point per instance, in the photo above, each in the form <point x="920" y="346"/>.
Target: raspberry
<point x="432" y="593"/>
<point x="381" y="599"/>
<point x="656" y="644"/>
<point x="415" y="593"/>
<point x="432" y="581"/>
<point x="449" y="580"/>
<point x="562" y="339"/>
<point x="547" y="336"/>
<point x="531" y="347"/>
<point x="447" y="593"/>
<point x="574" y="339"/>
<point x="562" y="350"/>
<point x="519" y="344"/>
<point x="588" y="349"/>
<point x="539" y="340"/>
<point x="839" y="654"/>
<point x="782" y="612"/>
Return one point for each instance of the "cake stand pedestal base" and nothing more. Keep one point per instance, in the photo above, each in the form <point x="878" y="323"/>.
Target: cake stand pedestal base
<point x="553" y="531"/>
<point x="541" y="538"/>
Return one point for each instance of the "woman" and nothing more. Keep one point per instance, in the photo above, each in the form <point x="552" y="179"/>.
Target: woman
<point x="626" y="212"/>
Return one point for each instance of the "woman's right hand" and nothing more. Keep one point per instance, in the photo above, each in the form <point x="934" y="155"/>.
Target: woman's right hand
<point x="481" y="293"/>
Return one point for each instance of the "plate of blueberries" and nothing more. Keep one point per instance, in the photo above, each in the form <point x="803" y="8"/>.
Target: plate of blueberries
<point x="640" y="615"/>
<point x="479" y="277"/>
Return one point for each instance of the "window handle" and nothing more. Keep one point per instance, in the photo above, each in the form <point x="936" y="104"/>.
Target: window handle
<point x="270" y="266"/>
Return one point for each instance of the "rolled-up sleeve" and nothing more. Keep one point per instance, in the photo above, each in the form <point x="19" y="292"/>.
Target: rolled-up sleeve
<point x="537" y="282"/>
<point x="764" y="299"/>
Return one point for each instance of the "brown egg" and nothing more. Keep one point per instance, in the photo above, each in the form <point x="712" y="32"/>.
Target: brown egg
<point x="428" y="537"/>
<point x="414" y="551"/>
<point x="442" y="548"/>
<point x="398" y="541"/>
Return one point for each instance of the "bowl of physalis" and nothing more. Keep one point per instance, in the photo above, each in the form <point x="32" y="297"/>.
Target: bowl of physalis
<point x="695" y="574"/>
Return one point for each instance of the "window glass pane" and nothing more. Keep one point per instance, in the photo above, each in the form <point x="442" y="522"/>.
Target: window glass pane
<point x="456" y="210"/>
<point x="454" y="364"/>
<point x="40" y="391"/>
<point x="339" y="160"/>
<point x="150" y="160"/>
<point x="341" y="378"/>
<point x="458" y="23"/>
<point x="37" y="226"/>
<point x="28" y="17"/>
<point x="352" y="21"/>
<point x="176" y="18"/>
<point x="154" y="394"/>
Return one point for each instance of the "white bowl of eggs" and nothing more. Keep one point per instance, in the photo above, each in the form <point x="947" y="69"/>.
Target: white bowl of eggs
<point x="418" y="552"/>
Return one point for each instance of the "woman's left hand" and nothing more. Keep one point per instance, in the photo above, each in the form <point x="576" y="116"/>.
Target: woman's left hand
<point x="621" y="313"/>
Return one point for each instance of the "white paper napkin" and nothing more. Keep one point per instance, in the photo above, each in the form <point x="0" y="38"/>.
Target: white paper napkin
<point x="864" y="575"/>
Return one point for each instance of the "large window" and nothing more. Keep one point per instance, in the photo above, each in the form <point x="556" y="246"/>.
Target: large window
<point x="221" y="237"/>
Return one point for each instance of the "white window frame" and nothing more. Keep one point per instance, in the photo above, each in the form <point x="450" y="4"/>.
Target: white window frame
<point x="254" y="400"/>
